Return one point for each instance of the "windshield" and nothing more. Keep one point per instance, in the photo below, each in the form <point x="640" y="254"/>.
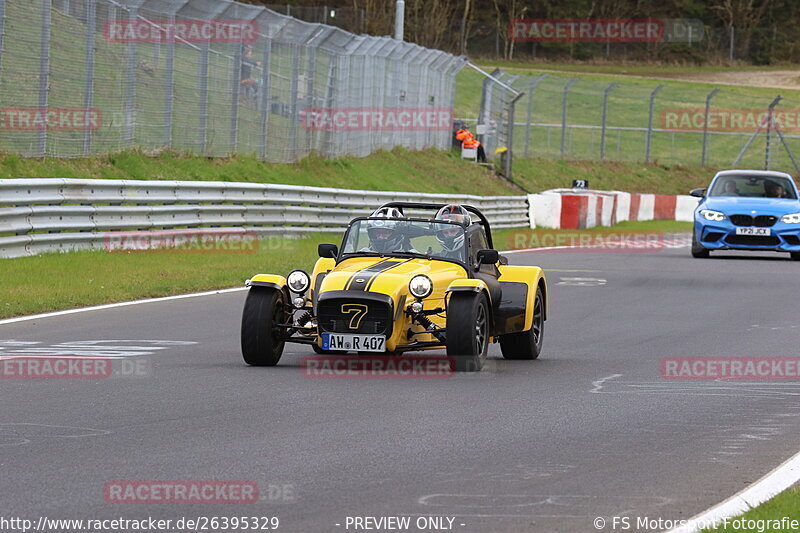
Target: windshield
<point x="439" y="240"/>
<point x="753" y="187"/>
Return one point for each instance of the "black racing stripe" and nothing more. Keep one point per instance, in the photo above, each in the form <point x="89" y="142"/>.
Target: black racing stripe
<point x="372" y="280"/>
<point x="362" y="279"/>
<point x="359" y="274"/>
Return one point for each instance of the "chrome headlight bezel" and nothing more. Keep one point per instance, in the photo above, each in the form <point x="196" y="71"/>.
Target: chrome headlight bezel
<point x="420" y="286"/>
<point x="712" y="216"/>
<point x="791" y="218"/>
<point x="298" y="281"/>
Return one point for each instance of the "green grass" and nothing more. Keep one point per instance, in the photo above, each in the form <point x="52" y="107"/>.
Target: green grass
<point x="54" y="281"/>
<point x="96" y="277"/>
<point x="632" y="68"/>
<point x="433" y="171"/>
<point x="542" y="174"/>
<point x="786" y="504"/>
<point x="628" y="112"/>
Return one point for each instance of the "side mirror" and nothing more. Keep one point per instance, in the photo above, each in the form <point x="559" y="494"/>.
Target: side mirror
<point x="698" y="193"/>
<point x="488" y="257"/>
<point x="328" y="251"/>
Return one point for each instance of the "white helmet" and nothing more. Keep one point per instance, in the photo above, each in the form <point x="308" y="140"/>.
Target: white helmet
<point x="448" y="236"/>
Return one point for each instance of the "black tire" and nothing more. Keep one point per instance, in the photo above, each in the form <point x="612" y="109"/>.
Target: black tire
<point x="795" y="256"/>
<point x="698" y="250"/>
<point x="527" y="344"/>
<point x="262" y="344"/>
<point x="467" y="331"/>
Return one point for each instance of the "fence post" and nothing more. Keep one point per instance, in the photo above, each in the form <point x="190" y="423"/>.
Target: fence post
<point x="236" y="77"/>
<point x="2" y="31"/>
<point x="605" y="119"/>
<point x="203" y="105"/>
<point x="730" y="44"/>
<point x="266" y="96"/>
<point x="770" y="111"/>
<point x="44" y="71"/>
<point x="88" y="94"/>
<point x="569" y="84"/>
<point x="170" y="82"/>
<point x="130" y="86"/>
<point x="510" y="152"/>
<point x="293" y="96"/>
<point x="536" y="81"/>
<point x="705" y="127"/>
<point x="650" y="122"/>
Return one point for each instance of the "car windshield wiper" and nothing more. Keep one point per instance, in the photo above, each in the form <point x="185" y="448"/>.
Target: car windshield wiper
<point x="411" y="254"/>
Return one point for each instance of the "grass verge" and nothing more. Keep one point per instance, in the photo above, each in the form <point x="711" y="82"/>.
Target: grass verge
<point x="767" y="516"/>
<point x="50" y="282"/>
<point x="434" y="171"/>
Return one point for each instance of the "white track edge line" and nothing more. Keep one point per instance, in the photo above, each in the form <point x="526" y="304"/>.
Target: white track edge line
<point x="117" y="304"/>
<point x="772" y="484"/>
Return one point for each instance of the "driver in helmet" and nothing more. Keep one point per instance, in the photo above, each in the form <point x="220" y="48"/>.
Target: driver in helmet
<point x="451" y="237"/>
<point x="384" y="231"/>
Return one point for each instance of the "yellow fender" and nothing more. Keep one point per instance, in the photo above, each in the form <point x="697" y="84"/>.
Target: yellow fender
<point x="267" y="280"/>
<point x="469" y="285"/>
<point x="532" y="277"/>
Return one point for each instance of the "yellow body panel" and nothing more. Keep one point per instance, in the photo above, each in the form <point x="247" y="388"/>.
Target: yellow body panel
<point x="394" y="283"/>
<point x="531" y="276"/>
<point x="269" y="278"/>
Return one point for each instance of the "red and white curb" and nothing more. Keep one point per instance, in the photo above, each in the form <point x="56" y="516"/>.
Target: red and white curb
<point x="579" y="208"/>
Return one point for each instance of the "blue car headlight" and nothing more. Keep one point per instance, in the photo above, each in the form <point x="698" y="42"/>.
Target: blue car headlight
<point x="793" y="218"/>
<point x="714" y="216"/>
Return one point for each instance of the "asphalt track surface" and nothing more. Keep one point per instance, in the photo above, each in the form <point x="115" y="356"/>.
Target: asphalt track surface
<point x="590" y="429"/>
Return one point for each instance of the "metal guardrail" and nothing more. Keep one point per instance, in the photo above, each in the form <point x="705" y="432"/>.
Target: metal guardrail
<point x="44" y="215"/>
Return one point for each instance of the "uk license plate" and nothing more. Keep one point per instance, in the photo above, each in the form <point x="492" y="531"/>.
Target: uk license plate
<point x="753" y="231"/>
<point x="348" y="342"/>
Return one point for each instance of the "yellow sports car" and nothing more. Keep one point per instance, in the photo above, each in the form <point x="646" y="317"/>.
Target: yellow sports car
<point x="402" y="283"/>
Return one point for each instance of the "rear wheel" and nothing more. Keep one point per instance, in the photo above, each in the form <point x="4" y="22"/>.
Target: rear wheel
<point x="697" y="249"/>
<point x="527" y="344"/>
<point x="467" y="331"/>
<point x="262" y="340"/>
<point x="795" y="256"/>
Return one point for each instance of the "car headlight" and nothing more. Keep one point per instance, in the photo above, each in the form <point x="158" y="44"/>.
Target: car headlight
<point x="793" y="218"/>
<point x="714" y="216"/>
<point x="420" y="286"/>
<point x="298" y="281"/>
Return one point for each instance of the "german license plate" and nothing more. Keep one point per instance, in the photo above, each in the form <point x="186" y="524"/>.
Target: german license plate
<point x="361" y="343"/>
<point x="753" y="231"/>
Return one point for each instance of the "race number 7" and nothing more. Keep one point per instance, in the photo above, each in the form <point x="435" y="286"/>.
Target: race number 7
<point x="357" y="310"/>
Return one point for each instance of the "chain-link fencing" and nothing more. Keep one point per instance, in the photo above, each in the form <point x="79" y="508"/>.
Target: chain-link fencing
<point x="212" y="77"/>
<point x="638" y="120"/>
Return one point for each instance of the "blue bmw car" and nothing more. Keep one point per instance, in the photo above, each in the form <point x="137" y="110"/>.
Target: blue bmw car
<point x="747" y="210"/>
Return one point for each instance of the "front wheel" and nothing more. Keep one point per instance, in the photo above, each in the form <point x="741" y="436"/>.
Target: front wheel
<point x="795" y="256"/>
<point x="262" y="339"/>
<point x="527" y="344"/>
<point x="698" y="250"/>
<point x="467" y="331"/>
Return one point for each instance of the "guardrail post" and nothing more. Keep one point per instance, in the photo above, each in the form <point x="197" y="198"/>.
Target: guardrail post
<point x="266" y="96"/>
<point x="203" y="105"/>
<point x="650" y="123"/>
<point x="569" y="84"/>
<point x="88" y="94"/>
<point x="605" y="119"/>
<point x="528" y="125"/>
<point x="44" y="71"/>
<point x="705" y="126"/>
